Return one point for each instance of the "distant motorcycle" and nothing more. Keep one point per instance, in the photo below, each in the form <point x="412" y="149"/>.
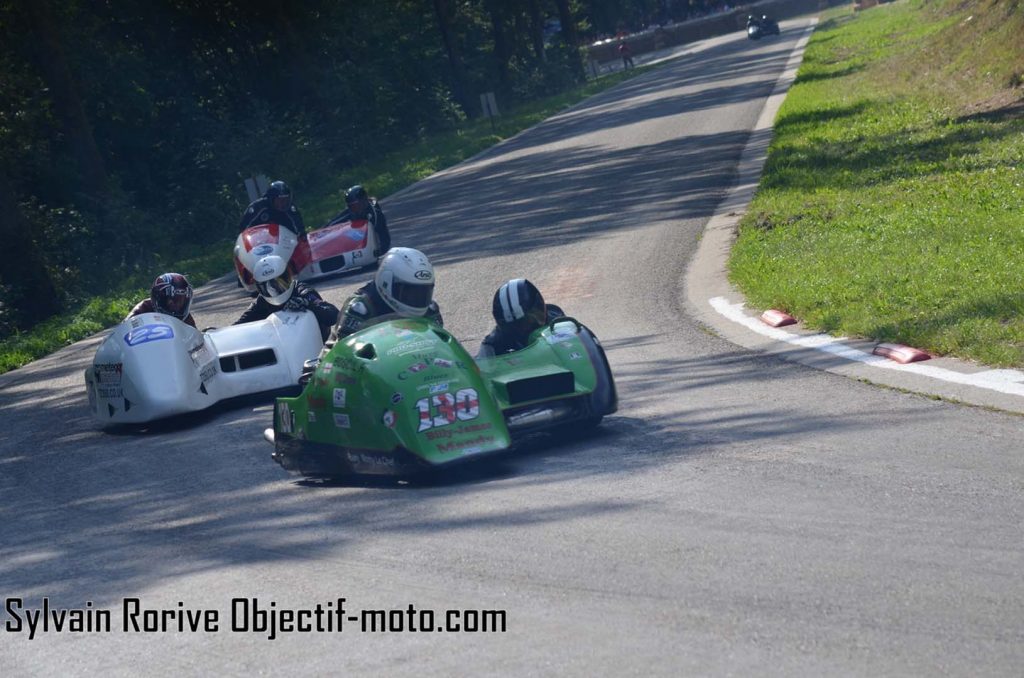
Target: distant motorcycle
<point x="759" y="27"/>
<point x="341" y="247"/>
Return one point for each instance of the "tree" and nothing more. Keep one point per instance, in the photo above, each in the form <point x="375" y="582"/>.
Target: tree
<point x="24" y="276"/>
<point x="50" y="59"/>
<point x="571" y="37"/>
<point x="536" y="30"/>
<point x="445" y="16"/>
<point x="495" y="10"/>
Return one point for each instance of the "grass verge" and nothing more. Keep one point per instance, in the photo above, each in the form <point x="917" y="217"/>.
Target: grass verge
<point x="892" y="201"/>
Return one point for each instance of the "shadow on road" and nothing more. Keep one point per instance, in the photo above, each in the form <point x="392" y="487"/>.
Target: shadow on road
<point x="87" y="515"/>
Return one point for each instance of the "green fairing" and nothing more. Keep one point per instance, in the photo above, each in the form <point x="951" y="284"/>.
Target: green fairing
<point x="409" y="385"/>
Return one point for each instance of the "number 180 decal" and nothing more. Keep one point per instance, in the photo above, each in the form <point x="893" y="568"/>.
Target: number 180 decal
<point x="444" y="408"/>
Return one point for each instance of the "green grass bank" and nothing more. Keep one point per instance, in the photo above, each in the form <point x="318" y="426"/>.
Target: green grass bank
<point x="892" y="201"/>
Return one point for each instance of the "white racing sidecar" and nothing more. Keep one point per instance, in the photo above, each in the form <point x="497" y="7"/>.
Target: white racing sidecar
<point x="153" y="365"/>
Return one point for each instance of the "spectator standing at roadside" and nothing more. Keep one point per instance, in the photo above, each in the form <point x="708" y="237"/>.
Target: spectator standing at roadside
<point x="627" y="55"/>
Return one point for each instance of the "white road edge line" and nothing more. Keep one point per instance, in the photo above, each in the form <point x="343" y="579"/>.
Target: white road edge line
<point x="1003" y="381"/>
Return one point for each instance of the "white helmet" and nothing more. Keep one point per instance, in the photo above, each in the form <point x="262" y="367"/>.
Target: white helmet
<point x="405" y="279"/>
<point x="274" y="279"/>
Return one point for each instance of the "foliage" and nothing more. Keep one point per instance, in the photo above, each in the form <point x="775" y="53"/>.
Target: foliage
<point x="385" y="174"/>
<point x="127" y="128"/>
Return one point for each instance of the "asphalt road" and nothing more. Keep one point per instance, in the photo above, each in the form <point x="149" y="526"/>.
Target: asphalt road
<point x="738" y="515"/>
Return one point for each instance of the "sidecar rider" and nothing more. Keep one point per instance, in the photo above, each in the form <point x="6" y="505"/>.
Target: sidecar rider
<point x="170" y="294"/>
<point x="361" y="206"/>
<point x="278" y="290"/>
<point x="275" y="207"/>
<point x="403" y="285"/>
<point x="518" y="308"/>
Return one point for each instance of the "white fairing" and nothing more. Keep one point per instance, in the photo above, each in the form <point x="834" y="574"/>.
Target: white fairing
<point x="283" y="247"/>
<point x="153" y="365"/>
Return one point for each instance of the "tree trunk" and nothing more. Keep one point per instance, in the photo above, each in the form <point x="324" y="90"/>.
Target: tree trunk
<point x="571" y="37"/>
<point x="444" y="13"/>
<point x="34" y="296"/>
<point x="52" y="63"/>
<point x="537" y="30"/>
<point x="501" y="52"/>
<point x="302" y="69"/>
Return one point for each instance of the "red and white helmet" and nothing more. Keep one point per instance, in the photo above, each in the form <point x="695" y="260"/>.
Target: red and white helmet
<point x="274" y="279"/>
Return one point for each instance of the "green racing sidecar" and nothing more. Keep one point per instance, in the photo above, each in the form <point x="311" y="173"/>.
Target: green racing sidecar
<point x="403" y="396"/>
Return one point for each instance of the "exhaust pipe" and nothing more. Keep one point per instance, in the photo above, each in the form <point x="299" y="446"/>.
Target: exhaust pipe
<point x="531" y="418"/>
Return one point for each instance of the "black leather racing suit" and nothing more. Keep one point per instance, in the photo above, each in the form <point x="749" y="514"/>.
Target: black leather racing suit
<point x="375" y="215"/>
<point x="505" y="340"/>
<point x="303" y="298"/>
<point x="262" y="212"/>
<point x="366" y="307"/>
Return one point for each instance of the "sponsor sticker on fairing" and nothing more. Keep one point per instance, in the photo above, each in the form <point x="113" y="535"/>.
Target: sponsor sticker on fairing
<point x="107" y="373"/>
<point x="200" y="355"/>
<point x="389" y="419"/>
<point x="342" y="420"/>
<point x="559" y="338"/>
<point x="108" y="380"/>
<point x="439" y="388"/>
<point x="284" y="417"/>
<point x="327" y="368"/>
<point x="396" y="398"/>
<point x="370" y="459"/>
<point x="574" y="356"/>
<point x="148" y="333"/>
<point x="208" y="370"/>
<point x="339" y="397"/>
<point x="411" y="347"/>
<point x="441" y="362"/>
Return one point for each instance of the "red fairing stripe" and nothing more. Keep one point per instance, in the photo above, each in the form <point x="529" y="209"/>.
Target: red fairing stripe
<point x="261" y="234"/>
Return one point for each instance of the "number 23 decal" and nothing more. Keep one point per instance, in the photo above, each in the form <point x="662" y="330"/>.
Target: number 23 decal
<point x="448" y="408"/>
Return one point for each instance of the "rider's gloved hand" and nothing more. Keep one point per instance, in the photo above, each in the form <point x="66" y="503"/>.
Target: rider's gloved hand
<point x="296" y="303"/>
